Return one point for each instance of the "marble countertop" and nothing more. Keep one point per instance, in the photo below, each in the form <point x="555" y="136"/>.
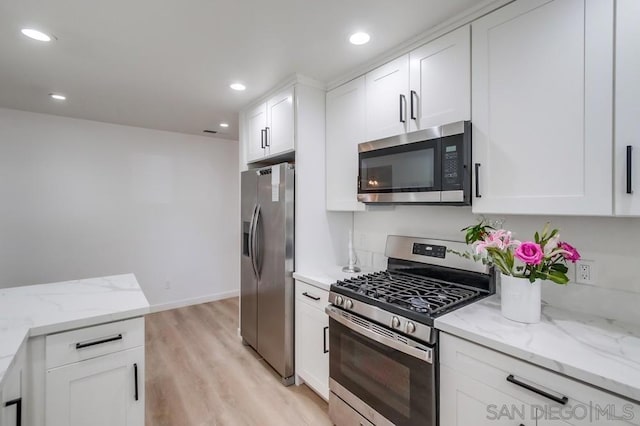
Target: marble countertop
<point x="50" y="308"/>
<point x="602" y="352"/>
<point x="324" y="279"/>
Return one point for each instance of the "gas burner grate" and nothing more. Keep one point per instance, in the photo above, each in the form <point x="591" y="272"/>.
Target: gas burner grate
<point x="416" y="293"/>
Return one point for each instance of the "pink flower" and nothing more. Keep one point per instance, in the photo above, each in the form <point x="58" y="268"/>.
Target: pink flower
<point x="530" y="253"/>
<point x="498" y="239"/>
<point x="570" y="252"/>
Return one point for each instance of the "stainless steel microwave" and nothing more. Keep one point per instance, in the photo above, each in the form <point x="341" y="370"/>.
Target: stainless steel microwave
<point x="431" y="166"/>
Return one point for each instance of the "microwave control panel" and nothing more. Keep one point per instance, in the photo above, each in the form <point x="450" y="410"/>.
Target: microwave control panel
<point x="452" y="162"/>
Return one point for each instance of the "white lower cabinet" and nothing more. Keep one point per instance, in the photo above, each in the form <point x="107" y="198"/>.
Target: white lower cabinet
<point x="95" y="376"/>
<point x="12" y="395"/>
<point x="312" y="338"/>
<point x="103" y="391"/>
<point x="465" y="401"/>
<point x="480" y="386"/>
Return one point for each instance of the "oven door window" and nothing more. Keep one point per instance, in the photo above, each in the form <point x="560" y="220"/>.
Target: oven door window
<point x="405" y="168"/>
<point x="398" y="386"/>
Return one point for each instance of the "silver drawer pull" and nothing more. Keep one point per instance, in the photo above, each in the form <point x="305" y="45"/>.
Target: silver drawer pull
<point x="98" y="342"/>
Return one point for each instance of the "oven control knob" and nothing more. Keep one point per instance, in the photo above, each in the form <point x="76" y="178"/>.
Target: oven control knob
<point x="411" y="327"/>
<point x="348" y="304"/>
<point x="339" y="300"/>
<point x="395" y="322"/>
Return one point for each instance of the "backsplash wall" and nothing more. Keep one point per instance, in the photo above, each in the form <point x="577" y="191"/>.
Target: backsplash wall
<point x="613" y="243"/>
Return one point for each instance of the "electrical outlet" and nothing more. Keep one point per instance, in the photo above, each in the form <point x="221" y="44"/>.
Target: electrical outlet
<point x="585" y="272"/>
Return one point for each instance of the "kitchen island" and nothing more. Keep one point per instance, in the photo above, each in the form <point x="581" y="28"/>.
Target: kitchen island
<point x="48" y="330"/>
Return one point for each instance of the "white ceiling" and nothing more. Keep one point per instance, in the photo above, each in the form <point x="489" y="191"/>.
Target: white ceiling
<point x="167" y="64"/>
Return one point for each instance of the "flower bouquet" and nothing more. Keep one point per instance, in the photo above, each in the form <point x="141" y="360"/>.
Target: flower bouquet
<point x="521" y="263"/>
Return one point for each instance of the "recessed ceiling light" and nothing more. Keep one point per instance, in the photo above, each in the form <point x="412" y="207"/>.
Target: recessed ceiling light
<point x="35" y="34"/>
<point x="58" y="96"/>
<point x="359" y="38"/>
<point x="238" y="86"/>
<point x="224" y="124"/>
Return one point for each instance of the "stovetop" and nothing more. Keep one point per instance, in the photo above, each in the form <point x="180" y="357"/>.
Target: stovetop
<point x="413" y="296"/>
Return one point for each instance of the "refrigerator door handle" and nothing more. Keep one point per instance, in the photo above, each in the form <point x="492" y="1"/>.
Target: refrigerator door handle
<point x="251" y="232"/>
<point x="254" y="243"/>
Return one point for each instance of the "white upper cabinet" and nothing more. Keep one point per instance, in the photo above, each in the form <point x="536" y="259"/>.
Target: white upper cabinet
<point x="440" y="74"/>
<point x="270" y="127"/>
<point x="280" y="128"/>
<point x="387" y="94"/>
<point x="542" y="98"/>
<point x="627" y="124"/>
<point x="345" y="129"/>
<point x="256" y="122"/>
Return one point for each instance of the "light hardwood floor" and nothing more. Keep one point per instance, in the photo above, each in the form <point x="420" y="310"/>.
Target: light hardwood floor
<point x="198" y="373"/>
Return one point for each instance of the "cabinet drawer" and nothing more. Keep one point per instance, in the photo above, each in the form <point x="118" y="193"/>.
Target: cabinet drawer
<point x="314" y="296"/>
<point x="494" y="368"/>
<point x="85" y="343"/>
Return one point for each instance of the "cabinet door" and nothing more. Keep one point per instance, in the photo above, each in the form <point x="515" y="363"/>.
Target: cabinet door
<point x="99" y="391"/>
<point x="256" y="120"/>
<point x="345" y="129"/>
<point x="465" y="401"/>
<point x="627" y="134"/>
<point x="440" y="74"/>
<point x="13" y="392"/>
<point x="312" y="347"/>
<point x="387" y="90"/>
<point x="541" y="106"/>
<point x="280" y="130"/>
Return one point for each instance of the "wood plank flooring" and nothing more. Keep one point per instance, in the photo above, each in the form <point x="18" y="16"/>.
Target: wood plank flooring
<point x="198" y="373"/>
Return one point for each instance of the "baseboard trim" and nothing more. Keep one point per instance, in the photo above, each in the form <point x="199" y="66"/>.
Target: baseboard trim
<point x="192" y="301"/>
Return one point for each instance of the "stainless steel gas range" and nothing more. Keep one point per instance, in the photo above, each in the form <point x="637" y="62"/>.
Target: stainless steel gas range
<point x="383" y="363"/>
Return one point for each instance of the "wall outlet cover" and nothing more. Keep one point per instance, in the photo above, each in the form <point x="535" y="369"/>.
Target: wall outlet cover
<point x="585" y="272"/>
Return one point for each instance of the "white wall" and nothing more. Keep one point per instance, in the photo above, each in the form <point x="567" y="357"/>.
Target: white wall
<point x="613" y="243"/>
<point x="82" y="199"/>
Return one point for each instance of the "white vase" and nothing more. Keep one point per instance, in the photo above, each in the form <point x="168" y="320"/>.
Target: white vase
<point x="520" y="299"/>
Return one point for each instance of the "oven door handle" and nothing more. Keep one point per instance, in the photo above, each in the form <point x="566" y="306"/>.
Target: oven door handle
<point x="414" y="349"/>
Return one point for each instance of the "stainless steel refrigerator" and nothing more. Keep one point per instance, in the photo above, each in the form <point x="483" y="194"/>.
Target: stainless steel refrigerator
<point x="267" y="293"/>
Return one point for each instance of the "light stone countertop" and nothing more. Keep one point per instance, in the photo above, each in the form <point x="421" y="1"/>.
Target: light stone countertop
<point x="602" y="352"/>
<point x="50" y="308"/>
<point x="324" y="279"/>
